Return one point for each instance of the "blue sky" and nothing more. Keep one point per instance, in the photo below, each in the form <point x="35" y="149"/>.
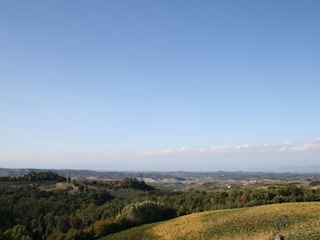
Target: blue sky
<point x="159" y="85"/>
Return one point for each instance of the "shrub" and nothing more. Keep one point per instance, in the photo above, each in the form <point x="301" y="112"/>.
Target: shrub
<point x="146" y="212"/>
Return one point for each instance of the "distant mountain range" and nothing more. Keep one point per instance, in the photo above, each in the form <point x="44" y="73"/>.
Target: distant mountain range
<point x="292" y="169"/>
<point x="288" y="174"/>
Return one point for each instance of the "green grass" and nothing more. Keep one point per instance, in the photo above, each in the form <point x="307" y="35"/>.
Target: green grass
<point x="293" y="220"/>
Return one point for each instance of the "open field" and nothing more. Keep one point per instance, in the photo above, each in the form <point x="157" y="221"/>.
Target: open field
<point x="292" y="220"/>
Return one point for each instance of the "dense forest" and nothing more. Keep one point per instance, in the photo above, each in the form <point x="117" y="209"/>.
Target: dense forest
<point x="45" y="205"/>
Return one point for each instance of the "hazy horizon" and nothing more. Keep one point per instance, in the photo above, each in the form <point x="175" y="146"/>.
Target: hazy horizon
<point x="159" y="85"/>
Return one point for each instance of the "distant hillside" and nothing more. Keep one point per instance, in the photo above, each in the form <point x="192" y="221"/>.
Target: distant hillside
<point x="171" y="175"/>
<point x="279" y="221"/>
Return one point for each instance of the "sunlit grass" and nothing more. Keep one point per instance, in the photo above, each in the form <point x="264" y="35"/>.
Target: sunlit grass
<point x="292" y="220"/>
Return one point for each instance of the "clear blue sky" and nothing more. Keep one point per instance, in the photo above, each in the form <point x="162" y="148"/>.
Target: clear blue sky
<point x="159" y="85"/>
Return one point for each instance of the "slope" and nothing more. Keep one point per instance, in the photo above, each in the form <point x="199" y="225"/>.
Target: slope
<point x="291" y="220"/>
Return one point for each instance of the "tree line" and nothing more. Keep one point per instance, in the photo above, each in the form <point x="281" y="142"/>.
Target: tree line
<point x="34" y="176"/>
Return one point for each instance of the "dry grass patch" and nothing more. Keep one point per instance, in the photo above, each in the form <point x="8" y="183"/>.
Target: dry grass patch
<point x="293" y="220"/>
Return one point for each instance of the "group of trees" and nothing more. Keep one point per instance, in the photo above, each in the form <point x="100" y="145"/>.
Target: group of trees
<point x="34" y="176"/>
<point x="31" y="213"/>
<point x="135" y="184"/>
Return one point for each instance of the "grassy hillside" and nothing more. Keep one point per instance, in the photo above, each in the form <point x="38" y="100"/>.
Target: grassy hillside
<point x="291" y="220"/>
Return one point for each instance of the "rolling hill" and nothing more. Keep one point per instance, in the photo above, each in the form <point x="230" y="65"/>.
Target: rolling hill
<point x="289" y="221"/>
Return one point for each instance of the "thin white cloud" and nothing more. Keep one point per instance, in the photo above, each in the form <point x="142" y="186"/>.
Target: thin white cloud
<point x="275" y="147"/>
<point x="311" y="145"/>
<point x="219" y="149"/>
<point x="232" y="157"/>
<point x="225" y="149"/>
<point x="163" y="151"/>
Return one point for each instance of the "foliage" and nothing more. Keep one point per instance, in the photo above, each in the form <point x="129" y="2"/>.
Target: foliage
<point x="34" y="176"/>
<point x="146" y="212"/>
<point x="136" y="184"/>
<point x="18" y="232"/>
<point x="132" y="215"/>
